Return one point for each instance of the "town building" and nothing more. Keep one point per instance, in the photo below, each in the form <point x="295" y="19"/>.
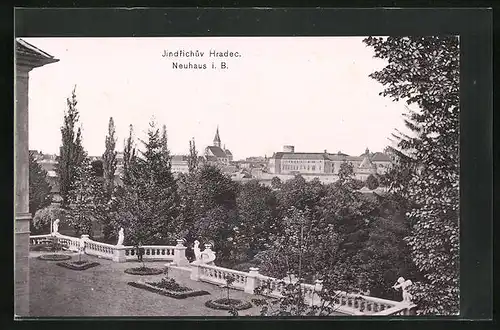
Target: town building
<point x="309" y="163"/>
<point x="215" y="154"/>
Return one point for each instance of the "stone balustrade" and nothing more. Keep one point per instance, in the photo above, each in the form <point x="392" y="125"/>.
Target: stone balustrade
<point x="175" y="254"/>
<point x="38" y="239"/>
<point x="97" y="249"/>
<point x="217" y="275"/>
<point x="351" y="304"/>
<point x="71" y="242"/>
<point x="151" y="252"/>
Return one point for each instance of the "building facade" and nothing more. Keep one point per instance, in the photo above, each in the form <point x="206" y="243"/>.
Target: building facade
<point x="216" y="154"/>
<point x="27" y="58"/>
<point x="309" y="163"/>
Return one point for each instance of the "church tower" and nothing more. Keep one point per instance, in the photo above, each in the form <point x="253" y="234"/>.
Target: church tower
<point x="217" y="142"/>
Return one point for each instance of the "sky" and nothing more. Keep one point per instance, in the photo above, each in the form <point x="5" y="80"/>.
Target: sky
<point x="310" y="92"/>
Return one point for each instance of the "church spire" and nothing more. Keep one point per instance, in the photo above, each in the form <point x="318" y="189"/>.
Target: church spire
<point x="217" y="138"/>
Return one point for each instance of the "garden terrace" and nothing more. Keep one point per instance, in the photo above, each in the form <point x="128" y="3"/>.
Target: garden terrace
<point x="104" y="290"/>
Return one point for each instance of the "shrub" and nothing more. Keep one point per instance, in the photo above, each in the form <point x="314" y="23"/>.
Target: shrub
<point x="372" y="182"/>
<point x="44" y="217"/>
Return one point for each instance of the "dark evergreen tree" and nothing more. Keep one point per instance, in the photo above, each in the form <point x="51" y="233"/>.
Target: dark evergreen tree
<point x="87" y="201"/>
<point x="149" y="201"/>
<point x="71" y="153"/>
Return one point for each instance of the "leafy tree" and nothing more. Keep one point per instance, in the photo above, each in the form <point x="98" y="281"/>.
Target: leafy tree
<point x="97" y="168"/>
<point x="148" y="205"/>
<point x="297" y="193"/>
<point x="372" y="182"/>
<point x="386" y="256"/>
<point x="424" y="71"/>
<point x="39" y="188"/>
<point x="257" y="213"/>
<point x="44" y="217"/>
<point x="276" y="183"/>
<point x="87" y="201"/>
<point x="109" y="170"/>
<point x="71" y="153"/>
<point x="208" y="207"/>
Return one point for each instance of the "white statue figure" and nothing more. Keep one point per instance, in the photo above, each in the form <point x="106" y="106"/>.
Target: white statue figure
<point x="121" y="237"/>
<point x="197" y="251"/>
<point x="55" y="227"/>
<point x="403" y="285"/>
<point x="208" y="256"/>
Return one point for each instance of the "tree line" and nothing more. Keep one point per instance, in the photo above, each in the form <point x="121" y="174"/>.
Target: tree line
<point x="315" y="231"/>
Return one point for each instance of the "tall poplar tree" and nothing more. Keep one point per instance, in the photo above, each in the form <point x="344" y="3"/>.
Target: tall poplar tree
<point x="109" y="158"/>
<point x="129" y="156"/>
<point x="424" y="71"/>
<point x="109" y="168"/>
<point x="193" y="157"/>
<point x="71" y="152"/>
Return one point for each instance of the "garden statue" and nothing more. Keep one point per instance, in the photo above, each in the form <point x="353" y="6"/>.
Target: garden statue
<point x="121" y="237"/>
<point x="197" y="251"/>
<point x="55" y="227"/>
<point x="208" y="256"/>
<point x="403" y="285"/>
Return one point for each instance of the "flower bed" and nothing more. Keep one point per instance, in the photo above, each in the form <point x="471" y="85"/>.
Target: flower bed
<point x="41" y="247"/>
<point x="54" y="257"/>
<point x="144" y="271"/>
<point x="228" y="304"/>
<point x="78" y="265"/>
<point x="168" y="288"/>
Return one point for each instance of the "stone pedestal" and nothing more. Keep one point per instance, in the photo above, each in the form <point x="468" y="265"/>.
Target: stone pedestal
<point x="119" y="254"/>
<point x="195" y="272"/>
<point x="252" y="280"/>
<point x="180" y="254"/>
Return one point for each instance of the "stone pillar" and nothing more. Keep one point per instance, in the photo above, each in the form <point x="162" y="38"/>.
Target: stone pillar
<point x="252" y="280"/>
<point x="180" y="254"/>
<point x="119" y="254"/>
<point x="23" y="217"/>
<point x="318" y="286"/>
<point x="195" y="272"/>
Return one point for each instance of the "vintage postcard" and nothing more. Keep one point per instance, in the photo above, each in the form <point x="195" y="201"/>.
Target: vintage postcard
<point x="237" y="176"/>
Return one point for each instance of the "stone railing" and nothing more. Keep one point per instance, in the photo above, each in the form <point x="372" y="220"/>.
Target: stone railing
<point x="71" y="242"/>
<point x="98" y="249"/>
<point x="175" y="254"/>
<point x="151" y="252"/>
<point x="217" y="275"/>
<point x="351" y="304"/>
<point x="39" y="239"/>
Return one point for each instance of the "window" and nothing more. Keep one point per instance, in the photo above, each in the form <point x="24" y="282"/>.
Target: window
<point x="314" y="167"/>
